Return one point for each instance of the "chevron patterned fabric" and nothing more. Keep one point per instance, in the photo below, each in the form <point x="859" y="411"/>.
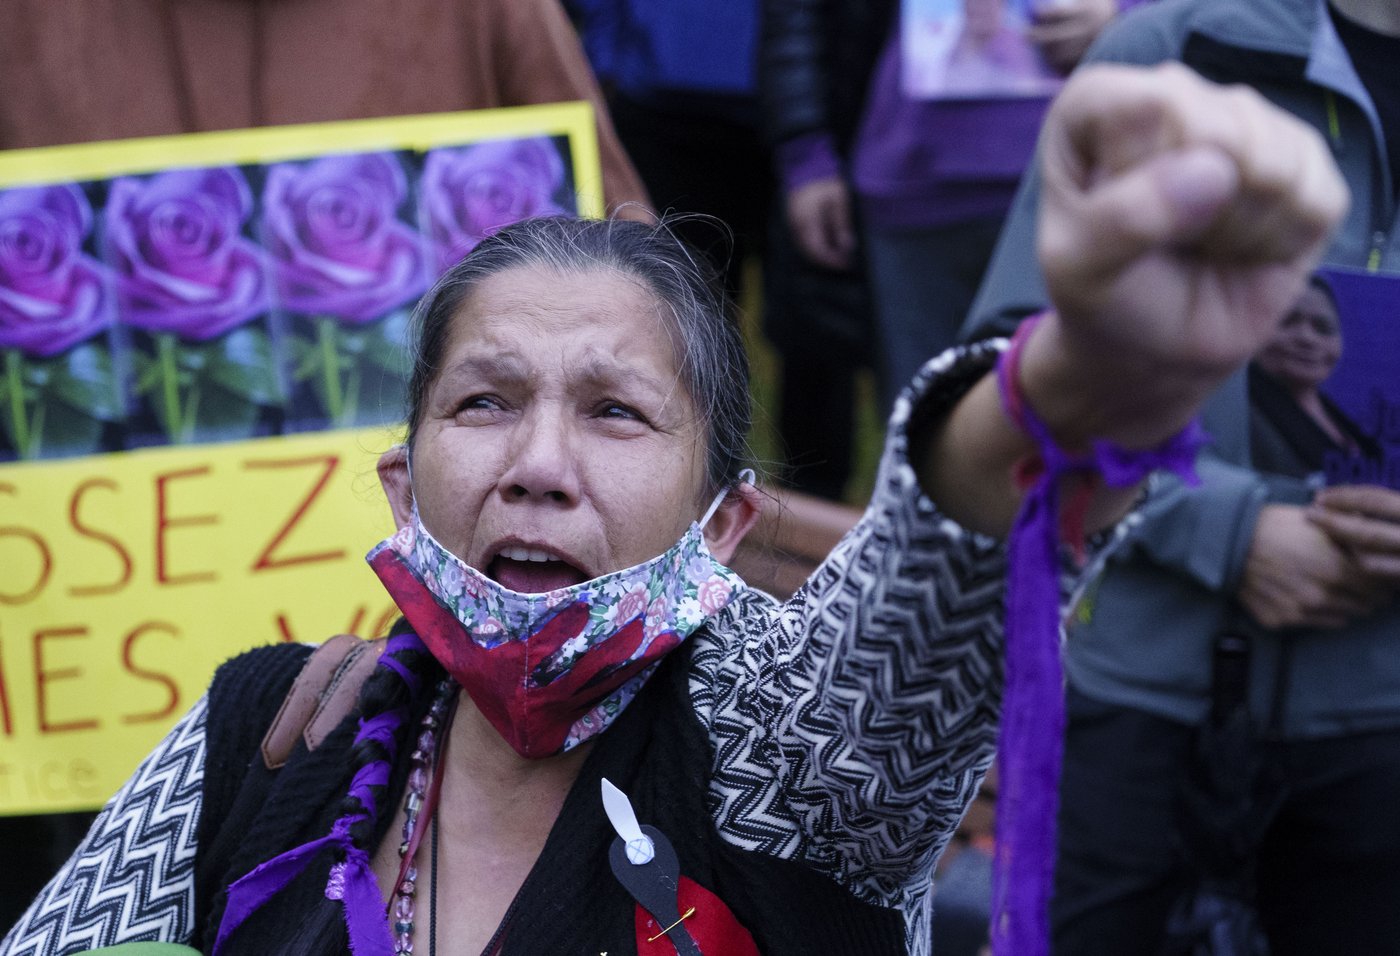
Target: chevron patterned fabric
<point x="132" y="877"/>
<point x="851" y="725"/>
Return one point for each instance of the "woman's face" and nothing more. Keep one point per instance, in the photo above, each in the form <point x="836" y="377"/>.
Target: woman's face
<point x="982" y="19"/>
<point x="1308" y="343"/>
<point x="557" y="442"/>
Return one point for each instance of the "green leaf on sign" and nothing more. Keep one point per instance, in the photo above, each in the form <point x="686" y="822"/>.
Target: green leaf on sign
<point x="84" y="381"/>
<point x="146" y="372"/>
<point x="306" y="358"/>
<point x="243" y="363"/>
<point x="388" y="348"/>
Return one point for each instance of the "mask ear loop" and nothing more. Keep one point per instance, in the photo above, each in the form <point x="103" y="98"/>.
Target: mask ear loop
<point x="747" y="475"/>
<point x="408" y="464"/>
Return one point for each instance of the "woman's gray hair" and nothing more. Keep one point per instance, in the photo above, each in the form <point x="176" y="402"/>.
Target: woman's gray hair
<point x="714" y="366"/>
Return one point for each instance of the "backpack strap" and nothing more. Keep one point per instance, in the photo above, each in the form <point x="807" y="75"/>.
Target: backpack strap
<point x="322" y="695"/>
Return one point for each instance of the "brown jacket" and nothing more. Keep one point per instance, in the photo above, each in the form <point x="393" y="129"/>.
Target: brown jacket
<point x="82" y="70"/>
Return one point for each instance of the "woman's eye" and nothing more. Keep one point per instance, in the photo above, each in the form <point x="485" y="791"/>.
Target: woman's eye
<point x="479" y="403"/>
<point x="620" y="411"/>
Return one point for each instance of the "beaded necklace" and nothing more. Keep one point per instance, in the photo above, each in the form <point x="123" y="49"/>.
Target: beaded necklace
<point x="424" y="785"/>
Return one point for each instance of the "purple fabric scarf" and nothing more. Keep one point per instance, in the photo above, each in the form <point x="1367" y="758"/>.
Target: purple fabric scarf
<point x="352" y="880"/>
<point x="1033" y="706"/>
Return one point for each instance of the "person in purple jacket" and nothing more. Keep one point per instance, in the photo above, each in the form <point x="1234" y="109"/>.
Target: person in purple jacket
<point x="918" y="189"/>
<point x="681" y="86"/>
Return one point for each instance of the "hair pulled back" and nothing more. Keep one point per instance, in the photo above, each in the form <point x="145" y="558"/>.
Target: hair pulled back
<point x="714" y="367"/>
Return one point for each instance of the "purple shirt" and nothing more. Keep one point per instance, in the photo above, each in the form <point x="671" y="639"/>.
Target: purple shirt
<point x="926" y="163"/>
<point x="929" y="163"/>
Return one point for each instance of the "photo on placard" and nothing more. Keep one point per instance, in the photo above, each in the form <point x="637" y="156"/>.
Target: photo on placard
<point x="59" y="379"/>
<point x="1324" y="391"/>
<point x="972" y="49"/>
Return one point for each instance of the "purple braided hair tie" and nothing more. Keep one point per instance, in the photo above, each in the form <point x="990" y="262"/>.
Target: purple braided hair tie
<point x="1033" y="707"/>
<point x="407" y="641"/>
<point x="351" y="881"/>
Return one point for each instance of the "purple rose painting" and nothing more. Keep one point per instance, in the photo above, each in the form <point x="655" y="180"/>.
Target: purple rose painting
<point x="469" y="192"/>
<point x="183" y="264"/>
<point x="52" y="295"/>
<point x="346" y="267"/>
<point x="189" y="278"/>
<point x="55" y="391"/>
<point x="337" y="246"/>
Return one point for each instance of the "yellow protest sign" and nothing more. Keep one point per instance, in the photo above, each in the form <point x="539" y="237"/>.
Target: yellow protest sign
<point x="130" y="577"/>
<point x="201" y="357"/>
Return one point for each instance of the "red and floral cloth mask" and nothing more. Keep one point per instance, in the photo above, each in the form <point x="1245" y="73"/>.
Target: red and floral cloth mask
<point x="551" y="670"/>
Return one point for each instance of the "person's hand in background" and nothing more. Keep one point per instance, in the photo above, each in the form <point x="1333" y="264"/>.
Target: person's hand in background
<point x="1365" y="520"/>
<point x="819" y="214"/>
<point x="1297" y="576"/>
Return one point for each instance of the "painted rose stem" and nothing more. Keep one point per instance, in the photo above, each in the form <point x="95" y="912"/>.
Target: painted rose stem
<point x="339" y="404"/>
<point x="26" y="434"/>
<point x="178" y="416"/>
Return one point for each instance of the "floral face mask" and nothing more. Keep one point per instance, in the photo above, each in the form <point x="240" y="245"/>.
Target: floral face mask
<point x="551" y="670"/>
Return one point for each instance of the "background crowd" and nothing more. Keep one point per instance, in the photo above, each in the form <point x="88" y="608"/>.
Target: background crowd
<point x="1251" y="612"/>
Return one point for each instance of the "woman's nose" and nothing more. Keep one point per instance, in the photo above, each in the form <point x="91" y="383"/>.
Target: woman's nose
<point x="542" y="463"/>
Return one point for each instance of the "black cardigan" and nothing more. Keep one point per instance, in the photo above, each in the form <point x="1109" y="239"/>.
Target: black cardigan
<point x="570" y="902"/>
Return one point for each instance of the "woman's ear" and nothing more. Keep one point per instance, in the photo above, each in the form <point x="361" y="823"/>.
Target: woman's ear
<point x="393" y="475"/>
<point x="732" y="520"/>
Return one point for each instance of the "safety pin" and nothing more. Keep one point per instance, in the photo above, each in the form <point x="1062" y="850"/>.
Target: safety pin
<point x="684" y="916"/>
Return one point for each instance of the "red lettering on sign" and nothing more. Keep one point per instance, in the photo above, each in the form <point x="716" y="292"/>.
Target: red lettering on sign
<point x="84" y="590"/>
<point x="164" y="522"/>
<point x="284" y="627"/>
<point x="171" y="688"/>
<point x="45" y="558"/>
<point x="43" y="677"/>
<point x="265" y="561"/>
<point x="5" y="702"/>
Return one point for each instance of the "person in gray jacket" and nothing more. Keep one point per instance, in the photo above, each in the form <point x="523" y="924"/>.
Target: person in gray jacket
<point x="1315" y="576"/>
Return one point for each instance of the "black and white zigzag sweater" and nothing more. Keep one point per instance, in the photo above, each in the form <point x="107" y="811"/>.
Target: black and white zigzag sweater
<point x="809" y="760"/>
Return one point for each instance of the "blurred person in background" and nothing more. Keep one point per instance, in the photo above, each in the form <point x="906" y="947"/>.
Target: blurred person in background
<point x="1293" y="424"/>
<point x="916" y="189"/>
<point x="681" y="85"/>
<point x="1309" y="578"/>
<point x="82" y="70"/>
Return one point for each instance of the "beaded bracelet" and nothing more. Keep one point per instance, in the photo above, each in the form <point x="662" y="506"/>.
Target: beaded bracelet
<point x="1032" y="726"/>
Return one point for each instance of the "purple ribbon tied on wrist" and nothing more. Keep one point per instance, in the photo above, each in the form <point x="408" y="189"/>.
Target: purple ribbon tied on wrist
<point x="1031" y="741"/>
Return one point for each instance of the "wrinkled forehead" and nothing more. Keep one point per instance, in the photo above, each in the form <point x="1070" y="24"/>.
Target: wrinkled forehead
<point x="596" y="327"/>
<point x="601" y="299"/>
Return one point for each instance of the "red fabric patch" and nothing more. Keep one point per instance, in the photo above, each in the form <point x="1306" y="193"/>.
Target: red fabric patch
<point x="712" y="926"/>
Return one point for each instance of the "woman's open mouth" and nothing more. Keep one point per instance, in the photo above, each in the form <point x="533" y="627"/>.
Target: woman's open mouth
<point x="533" y="570"/>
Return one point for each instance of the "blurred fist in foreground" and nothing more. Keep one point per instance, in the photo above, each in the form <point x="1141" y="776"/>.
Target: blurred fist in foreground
<point x="1179" y="221"/>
